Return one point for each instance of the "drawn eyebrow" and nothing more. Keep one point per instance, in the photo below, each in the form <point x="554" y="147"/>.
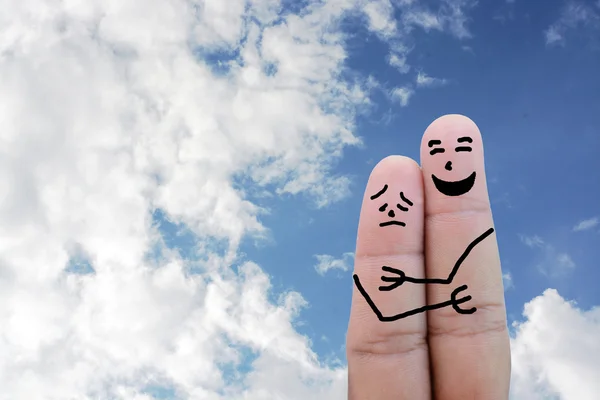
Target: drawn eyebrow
<point x="464" y="139"/>
<point x="407" y="201"/>
<point x="382" y="191"/>
<point x="434" y="142"/>
<point x="437" y="150"/>
<point x="463" y="148"/>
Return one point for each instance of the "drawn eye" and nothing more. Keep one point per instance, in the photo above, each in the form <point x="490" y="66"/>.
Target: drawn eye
<point x="383" y="207"/>
<point x="437" y="150"/>
<point x="463" y="148"/>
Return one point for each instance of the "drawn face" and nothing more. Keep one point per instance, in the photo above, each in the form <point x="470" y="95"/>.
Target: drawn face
<point x="389" y="210"/>
<point x="452" y="188"/>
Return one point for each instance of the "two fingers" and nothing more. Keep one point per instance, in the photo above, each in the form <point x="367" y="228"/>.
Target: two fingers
<point x="428" y="318"/>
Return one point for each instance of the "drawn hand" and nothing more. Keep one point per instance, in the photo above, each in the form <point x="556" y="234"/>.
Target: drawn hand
<point x="398" y="280"/>
<point x="459" y="350"/>
<point x="456" y="302"/>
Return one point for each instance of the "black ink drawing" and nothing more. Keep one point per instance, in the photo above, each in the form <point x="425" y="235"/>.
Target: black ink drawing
<point x="401" y="278"/>
<point x="449" y="188"/>
<point x="391" y="212"/>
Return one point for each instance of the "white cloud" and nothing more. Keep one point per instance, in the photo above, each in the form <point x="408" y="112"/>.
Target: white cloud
<point x="393" y="20"/>
<point x="455" y="17"/>
<point x="555" y="351"/>
<point x="449" y="17"/>
<point x="553" y="35"/>
<point x="402" y="95"/>
<point x="425" y="80"/>
<point x="550" y="262"/>
<point x="565" y="261"/>
<point x="587" y="224"/>
<point x="507" y="281"/>
<point x="108" y="112"/>
<point x="423" y="18"/>
<point x="381" y="19"/>
<point x="399" y="61"/>
<point x="326" y="262"/>
<point x="532" y="241"/>
<point x="574" y="15"/>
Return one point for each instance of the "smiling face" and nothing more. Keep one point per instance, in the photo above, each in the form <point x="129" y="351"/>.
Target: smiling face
<point x="457" y="187"/>
<point x="453" y="164"/>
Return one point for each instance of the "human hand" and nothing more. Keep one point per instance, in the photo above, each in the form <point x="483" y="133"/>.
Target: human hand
<point x="415" y="342"/>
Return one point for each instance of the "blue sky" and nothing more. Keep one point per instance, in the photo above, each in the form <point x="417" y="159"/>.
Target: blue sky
<point x="537" y="107"/>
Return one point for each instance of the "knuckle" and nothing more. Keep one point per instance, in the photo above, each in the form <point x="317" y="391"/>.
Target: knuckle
<point x="489" y="319"/>
<point x="389" y="345"/>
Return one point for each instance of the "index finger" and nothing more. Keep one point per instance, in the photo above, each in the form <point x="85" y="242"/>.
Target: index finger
<point x="469" y="344"/>
<point x="387" y="353"/>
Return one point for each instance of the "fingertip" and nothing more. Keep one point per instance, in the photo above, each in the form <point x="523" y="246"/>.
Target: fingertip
<point x="393" y="163"/>
<point x="452" y="121"/>
<point x="450" y="126"/>
<point x="403" y="173"/>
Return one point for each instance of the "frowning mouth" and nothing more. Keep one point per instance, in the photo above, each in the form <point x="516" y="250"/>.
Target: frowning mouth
<point x="455" y="188"/>
<point x="388" y="223"/>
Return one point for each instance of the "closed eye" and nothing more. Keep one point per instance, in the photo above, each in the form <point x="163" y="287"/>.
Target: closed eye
<point x="438" y="150"/>
<point x="463" y="148"/>
<point x="383" y="207"/>
<point x="401" y="207"/>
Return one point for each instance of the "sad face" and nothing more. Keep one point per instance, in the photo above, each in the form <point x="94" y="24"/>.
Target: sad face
<point x="389" y="211"/>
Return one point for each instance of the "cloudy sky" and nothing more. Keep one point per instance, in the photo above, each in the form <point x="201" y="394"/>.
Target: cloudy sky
<point x="180" y="182"/>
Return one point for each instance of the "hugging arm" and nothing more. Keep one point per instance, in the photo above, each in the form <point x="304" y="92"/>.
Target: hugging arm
<point x="401" y="278"/>
<point x="454" y="302"/>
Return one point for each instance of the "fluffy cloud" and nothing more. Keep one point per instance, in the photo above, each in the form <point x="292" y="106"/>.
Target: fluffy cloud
<point x="380" y="15"/>
<point x="425" y="80"/>
<point x="574" y="15"/>
<point x="507" y="280"/>
<point x="113" y="110"/>
<point x="394" y="20"/>
<point x="532" y="241"/>
<point x="450" y="16"/>
<point x="402" y="95"/>
<point x="587" y="224"/>
<point x="555" y="351"/>
<point x="550" y="261"/>
<point x="326" y="262"/>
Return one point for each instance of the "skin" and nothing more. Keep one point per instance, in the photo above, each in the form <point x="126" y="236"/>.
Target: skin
<point x="438" y="354"/>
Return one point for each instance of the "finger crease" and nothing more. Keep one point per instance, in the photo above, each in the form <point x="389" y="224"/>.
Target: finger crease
<point x="480" y="327"/>
<point x="458" y="213"/>
<point x="390" y="346"/>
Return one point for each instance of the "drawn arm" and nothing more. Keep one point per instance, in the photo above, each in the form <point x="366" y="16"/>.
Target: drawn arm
<point x="401" y="278"/>
<point x="454" y="302"/>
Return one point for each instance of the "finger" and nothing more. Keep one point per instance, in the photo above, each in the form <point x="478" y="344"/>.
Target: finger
<point x="468" y="339"/>
<point x="387" y="354"/>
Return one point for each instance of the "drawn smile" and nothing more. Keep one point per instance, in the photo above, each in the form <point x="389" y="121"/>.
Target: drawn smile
<point x="456" y="188"/>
